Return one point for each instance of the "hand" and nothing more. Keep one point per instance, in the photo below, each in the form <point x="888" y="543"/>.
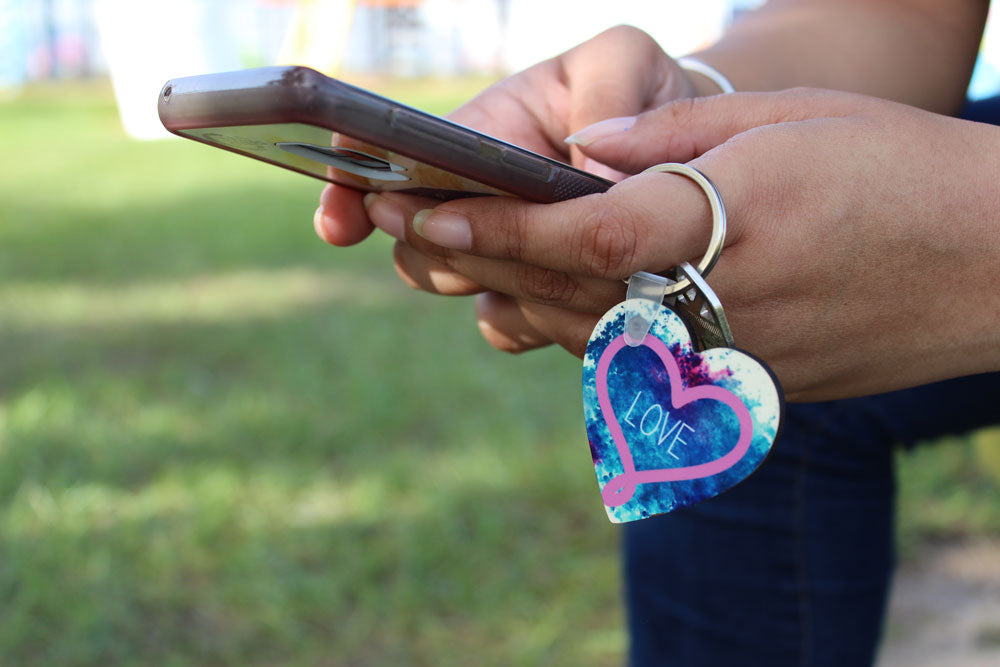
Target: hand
<point x="619" y="73"/>
<point x="861" y="255"/>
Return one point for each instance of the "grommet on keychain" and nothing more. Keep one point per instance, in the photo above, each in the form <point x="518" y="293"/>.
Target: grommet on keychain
<point x="675" y="414"/>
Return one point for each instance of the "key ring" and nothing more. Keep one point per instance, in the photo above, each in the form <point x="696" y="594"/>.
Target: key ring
<point x="718" y="220"/>
<point x="656" y="372"/>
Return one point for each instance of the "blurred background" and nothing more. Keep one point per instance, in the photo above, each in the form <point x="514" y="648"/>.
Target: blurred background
<point x="223" y="442"/>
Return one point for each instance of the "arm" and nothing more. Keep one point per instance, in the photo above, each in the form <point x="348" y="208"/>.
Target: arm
<point x="920" y="52"/>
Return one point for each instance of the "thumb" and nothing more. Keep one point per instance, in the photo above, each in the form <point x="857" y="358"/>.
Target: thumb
<point x="683" y="130"/>
<point x="619" y="73"/>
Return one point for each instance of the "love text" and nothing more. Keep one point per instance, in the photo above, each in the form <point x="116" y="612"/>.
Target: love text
<point x="655" y="422"/>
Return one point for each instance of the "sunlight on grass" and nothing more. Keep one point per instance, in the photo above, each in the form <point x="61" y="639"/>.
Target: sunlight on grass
<point x="252" y="500"/>
<point x="255" y="496"/>
<point x="986" y="444"/>
<point x="948" y="490"/>
<point x="226" y="297"/>
<point x="223" y="442"/>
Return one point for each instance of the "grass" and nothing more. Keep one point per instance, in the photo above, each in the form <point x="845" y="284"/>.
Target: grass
<point x="949" y="490"/>
<point x="224" y="442"/>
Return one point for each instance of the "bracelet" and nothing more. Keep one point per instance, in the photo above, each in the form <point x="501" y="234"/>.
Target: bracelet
<point x="717" y="77"/>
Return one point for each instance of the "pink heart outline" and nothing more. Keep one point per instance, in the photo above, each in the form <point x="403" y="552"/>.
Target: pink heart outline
<point x="620" y="489"/>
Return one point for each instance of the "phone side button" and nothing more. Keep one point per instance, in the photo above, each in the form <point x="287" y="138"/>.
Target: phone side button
<point x="423" y="126"/>
<point x="525" y="163"/>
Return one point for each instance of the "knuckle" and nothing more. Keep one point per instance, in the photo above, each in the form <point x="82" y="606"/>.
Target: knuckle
<point x="681" y="111"/>
<point x="794" y="104"/>
<point x="630" y="35"/>
<point x="519" y="228"/>
<point x="680" y="144"/>
<point x="607" y="242"/>
<point x="545" y="285"/>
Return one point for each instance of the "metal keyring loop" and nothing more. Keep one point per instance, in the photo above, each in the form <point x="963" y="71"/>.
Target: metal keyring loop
<point x="718" y="237"/>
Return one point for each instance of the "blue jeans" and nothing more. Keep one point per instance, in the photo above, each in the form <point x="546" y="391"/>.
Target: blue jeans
<point x="792" y="567"/>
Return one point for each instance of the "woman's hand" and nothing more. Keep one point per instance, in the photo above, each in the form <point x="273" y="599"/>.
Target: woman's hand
<point x="620" y="72"/>
<point x="862" y="251"/>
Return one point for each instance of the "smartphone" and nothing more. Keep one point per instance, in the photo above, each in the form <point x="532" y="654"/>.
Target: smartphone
<point x="297" y="118"/>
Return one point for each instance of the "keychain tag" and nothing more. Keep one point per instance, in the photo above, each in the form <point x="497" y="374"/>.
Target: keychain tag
<point x="672" y="421"/>
<point x="644" y="299"/>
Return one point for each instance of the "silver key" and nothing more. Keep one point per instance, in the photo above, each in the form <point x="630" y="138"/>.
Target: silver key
<point x="701" y="309"/>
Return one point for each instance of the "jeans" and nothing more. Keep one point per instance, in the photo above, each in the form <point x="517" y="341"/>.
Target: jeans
<point x="792" y="566"/>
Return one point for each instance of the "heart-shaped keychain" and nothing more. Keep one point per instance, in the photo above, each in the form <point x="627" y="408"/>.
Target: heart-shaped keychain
<point x="671" y="424"/>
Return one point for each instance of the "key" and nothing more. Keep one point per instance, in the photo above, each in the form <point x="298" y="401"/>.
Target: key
<point x="700" y="307"/>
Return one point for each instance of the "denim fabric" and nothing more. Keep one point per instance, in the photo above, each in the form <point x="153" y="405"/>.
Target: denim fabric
<point x="983" y="111"/>
<point x="792" y="566"/>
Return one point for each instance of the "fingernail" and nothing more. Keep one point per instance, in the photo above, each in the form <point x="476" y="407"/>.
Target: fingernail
<point x="601" y="130"/>
<point x="385" y="215"/>
<point x="445" y="229"/>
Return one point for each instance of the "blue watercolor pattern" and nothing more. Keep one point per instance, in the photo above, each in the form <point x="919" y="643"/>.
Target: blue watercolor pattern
<point x="639" y="391"/>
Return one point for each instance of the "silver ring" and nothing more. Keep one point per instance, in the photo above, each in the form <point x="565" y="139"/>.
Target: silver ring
<point x="718" y="238"/>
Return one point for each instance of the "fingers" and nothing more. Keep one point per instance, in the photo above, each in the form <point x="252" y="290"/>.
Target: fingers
<point x="504" y="326"/>
<point x="391" y="211"/>
<point x="340" y="219"/>
<point x="433" y="268"/>
<point x="683" y="130"/>
<point x="459" y="274"/>
<point x="648" y="222"/>
<point x="569" y="329"/>
<point x="507" y="324"/>
<point x="621" y="72"/>
<point x="592" y="166"/>
<point x="617" y="75"/>
<point x="420" y="271"/>
<point x="516" y="326"/>
<point x="519" y="110"/>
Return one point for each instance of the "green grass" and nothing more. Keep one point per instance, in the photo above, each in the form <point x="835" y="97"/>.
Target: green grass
<point x="223" y="442"/>
<point x="949" y="490"/>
